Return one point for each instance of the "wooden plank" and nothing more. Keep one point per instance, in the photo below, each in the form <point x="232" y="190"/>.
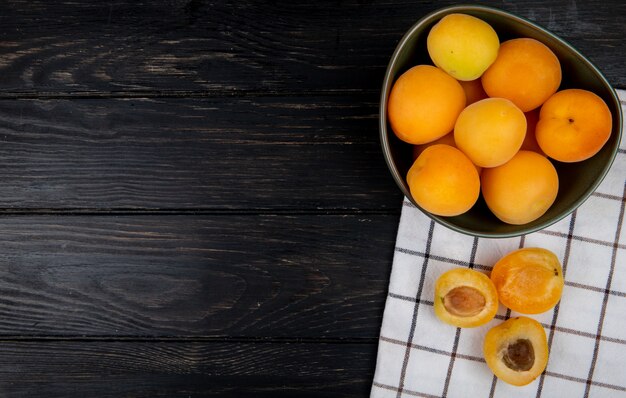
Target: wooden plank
<point x="306" y="276"/>
<point x="184" y="369"/>
<point x="231" y="47"/>
<point x="210" y="153"/>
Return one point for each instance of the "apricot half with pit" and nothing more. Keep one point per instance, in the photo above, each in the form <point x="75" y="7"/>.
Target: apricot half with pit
<point x="465" y="298"/>
<point x="528" y="280"/>
<point x="516" y="351"/>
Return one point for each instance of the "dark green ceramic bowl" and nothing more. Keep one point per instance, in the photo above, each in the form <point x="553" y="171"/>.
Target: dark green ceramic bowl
<point x="576" y="180"/>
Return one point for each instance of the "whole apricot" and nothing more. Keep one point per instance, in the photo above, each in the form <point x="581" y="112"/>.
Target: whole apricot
<point x="516" y="351"/>
<point x="529" y="280"/>
<point x="522" y="189"/>
<point x="573" y="125"/>
<point x="462" y="45"/>
<point x="490" y="131"/>
<point x="465" y="298"/>
<point x="526" y="72"/>
<point x="423" y="104"/>
<point x="443" y="181"/>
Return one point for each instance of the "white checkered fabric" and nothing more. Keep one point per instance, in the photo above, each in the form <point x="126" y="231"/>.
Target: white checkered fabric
<point x="419" y="356"/>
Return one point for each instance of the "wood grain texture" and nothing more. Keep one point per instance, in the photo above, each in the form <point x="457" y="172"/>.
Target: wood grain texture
<point x="247" y="46"/>
<point x="184" y="369"/>
<point x="307" y="276"/>
<point x="212" y="153"/>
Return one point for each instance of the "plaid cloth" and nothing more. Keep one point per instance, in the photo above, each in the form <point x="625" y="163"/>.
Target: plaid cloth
<point x="420" y="356"/>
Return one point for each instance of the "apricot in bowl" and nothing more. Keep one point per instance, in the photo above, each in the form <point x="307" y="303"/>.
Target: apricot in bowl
<point x="516" y="351"/>
<point x="577" y="180"/>
<point x="465" y="298"/>
<point x="444" y="181"/>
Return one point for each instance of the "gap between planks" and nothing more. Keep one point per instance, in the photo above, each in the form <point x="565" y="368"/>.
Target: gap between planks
<point x="9" y="95"/>
<point x="190" y="339"/>
<point x="196" y="212"/>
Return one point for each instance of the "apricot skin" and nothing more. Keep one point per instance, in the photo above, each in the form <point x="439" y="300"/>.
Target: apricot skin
<point x="573" y="125"/>
<point x="424" y="103"/>
<point x="490" y="131"/>
<point x="521" y="190"/>
<point x="529" y="280"/>
<point x="465" y="298"/>
<point x="516" y="351"/>
<point x="526" y="72"/>
<point x="450" y="49"/>
<point x="443" y="181"/>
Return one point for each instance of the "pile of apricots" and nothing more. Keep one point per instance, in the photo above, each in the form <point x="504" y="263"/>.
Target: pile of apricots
<point x="489" y="118"/>
<point x="528" y="281"/>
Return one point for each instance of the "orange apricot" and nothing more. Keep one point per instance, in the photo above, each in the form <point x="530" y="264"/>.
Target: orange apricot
<point x="526" y="72"/>
<point x="490" y="131"/>
<point x="530" y="141"/>
<point x="573" y="125"/>
<point x="465" y="298"/>
<point x="474" y="91"/>
<point x="424" y="103"/>
<point x="443" y="181"/>
<point x="516" y="351"/>
<point x="528" y="280"/>
<point x="522" y="189"/>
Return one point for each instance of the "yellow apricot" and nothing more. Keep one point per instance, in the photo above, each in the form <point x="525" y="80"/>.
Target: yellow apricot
<point x="443" y="181"/>
<point x="522" y="189"/>
<point x="465" y="298"/>
<point x="490" y="131"/>
<point x="463" y="46"/>
<point x="516" y="351"/>
<point x="423" y="104"/>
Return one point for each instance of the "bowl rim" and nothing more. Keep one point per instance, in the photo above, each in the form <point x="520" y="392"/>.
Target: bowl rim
<point x="383" y="130"/>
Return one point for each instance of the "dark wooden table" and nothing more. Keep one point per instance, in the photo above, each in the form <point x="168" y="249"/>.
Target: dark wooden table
<point x="194" y="201"/>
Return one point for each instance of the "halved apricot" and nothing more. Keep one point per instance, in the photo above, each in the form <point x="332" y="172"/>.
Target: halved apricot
<point x="528" y="280"/>
<point x="516" y="351"/>
<point x="465" y="298"/>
